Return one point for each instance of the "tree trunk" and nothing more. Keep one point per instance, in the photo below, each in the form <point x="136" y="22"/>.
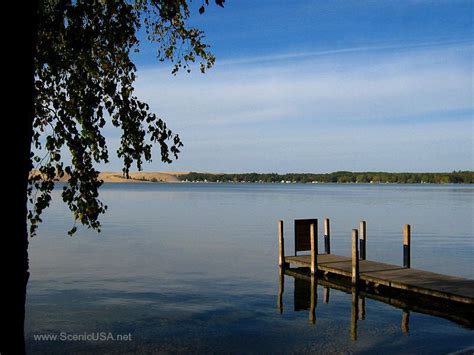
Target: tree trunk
<point x="14" y="244"/>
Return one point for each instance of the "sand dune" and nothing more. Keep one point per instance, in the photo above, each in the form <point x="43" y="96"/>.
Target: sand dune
<point x="156" y="176"/>
<point x="140" y="176"/>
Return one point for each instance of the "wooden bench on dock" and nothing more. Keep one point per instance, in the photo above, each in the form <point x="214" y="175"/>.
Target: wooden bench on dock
<point x="361" y="271"/>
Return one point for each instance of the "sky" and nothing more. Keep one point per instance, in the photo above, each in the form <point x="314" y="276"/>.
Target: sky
<point x="321" y="86"/>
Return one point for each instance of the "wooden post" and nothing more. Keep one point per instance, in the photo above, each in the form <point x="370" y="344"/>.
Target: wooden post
<point x="327" y="236"/>
<point x="355" y="258"/>
<point x="313" y="299"/>
<point x="405" y="321"/>
<point x="326" y="295"/>
<point x="313" y="236"/>
<point x="281" y="289"/>
<point x="281" y="245"/>
<point x="363" y="239"/>
<point x="406" y="245"/>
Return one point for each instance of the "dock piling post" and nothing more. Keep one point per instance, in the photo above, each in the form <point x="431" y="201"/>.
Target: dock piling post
<point x="406" y="245"/>
<point x="363" y="239"/>
<point x="327" y="236"/>
<point x="355" y="257"/>
<point x="281" y="245"/>
<point x="313" y="236"/>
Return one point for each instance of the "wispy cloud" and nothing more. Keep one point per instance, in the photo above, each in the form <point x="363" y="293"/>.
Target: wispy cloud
<point x="257" y="105"/>
<point x="377" y="48"/>
<point x="333" y="88"/>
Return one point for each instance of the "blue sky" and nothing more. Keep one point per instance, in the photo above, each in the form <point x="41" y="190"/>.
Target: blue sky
<point x="320" y="86"/>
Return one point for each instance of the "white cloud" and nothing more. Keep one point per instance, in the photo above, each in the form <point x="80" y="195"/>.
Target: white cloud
<point x="357" y="110"/>
<point x="338" y="87"/>
<point x="441" y="146"/>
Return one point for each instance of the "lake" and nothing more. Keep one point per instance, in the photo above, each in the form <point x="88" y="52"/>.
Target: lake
<point x="193" y="268"/>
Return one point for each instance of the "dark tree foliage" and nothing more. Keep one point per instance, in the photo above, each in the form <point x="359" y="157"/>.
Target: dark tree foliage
<point x="75" y="76"/>
<point x="84" y="77"/>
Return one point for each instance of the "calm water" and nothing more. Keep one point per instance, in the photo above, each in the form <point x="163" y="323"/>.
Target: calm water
<point x="193" y="268"/>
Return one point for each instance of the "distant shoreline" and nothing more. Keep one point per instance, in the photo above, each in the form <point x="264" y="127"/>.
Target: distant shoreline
<point x="157" y="176"/>
<point x="340" y="177"/>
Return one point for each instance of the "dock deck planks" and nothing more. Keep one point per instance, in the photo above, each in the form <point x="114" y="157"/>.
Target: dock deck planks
<point x="424" y="282"/>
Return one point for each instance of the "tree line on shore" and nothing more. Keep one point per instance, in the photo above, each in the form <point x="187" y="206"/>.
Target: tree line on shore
<point x="455" y="177"/>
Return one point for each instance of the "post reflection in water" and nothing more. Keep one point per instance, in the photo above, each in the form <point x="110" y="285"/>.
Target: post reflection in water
<point x="405" y="321"/>
<point x="326" y="294"/>
<point x="314" y="299"/>
<point x="281" y="289"/>
<point x="354" y="313"/>
<point x="306" y="298"/>
<point x="361" y="307"/>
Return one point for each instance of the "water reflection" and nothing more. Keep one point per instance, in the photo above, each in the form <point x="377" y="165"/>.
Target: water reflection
<point x="354" y="313"/>
<point x="306" y="299"/>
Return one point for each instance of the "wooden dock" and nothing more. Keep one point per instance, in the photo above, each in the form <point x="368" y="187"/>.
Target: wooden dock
<point x="366" y="272"/>
<point x="305" y="298"/>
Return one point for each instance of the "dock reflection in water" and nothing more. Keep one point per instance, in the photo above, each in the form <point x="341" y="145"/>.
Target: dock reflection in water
<point x="306" y="299"/>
